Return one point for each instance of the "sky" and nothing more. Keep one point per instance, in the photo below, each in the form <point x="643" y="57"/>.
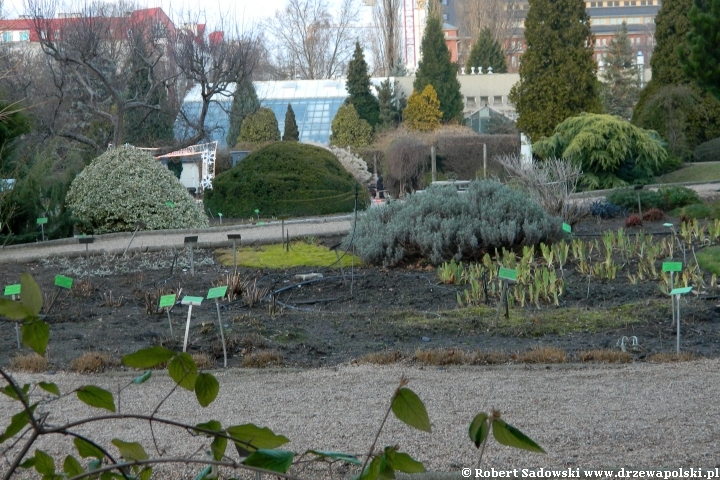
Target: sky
<point x="248" y="13"/>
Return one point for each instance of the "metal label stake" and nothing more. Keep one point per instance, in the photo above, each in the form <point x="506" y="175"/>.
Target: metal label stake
<point x="235" y="237"/>
<point x="168" y="301"/>
<point x="192" y="241"/>
<point x="217" y="293"/>
<point x="506" y="275"/>
<point x="676" y="293"/>
<point x="190" y="301"/>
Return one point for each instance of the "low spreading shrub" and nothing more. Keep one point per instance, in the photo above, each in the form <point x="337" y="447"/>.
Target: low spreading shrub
<point x="441" y="224"/>
<point x="628" y="199"/>
<point x="633" y="221"/>
<point x="676" y="196"/>
<point x="708" y="151"/>
<point x="125" y="185"/>
<point x="604" y="209"/>
<point x="285" y="178"/>
<point x="710" y="211"/>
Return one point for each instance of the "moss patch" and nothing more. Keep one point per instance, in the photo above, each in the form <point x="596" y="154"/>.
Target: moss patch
<point x="301" y="254"/>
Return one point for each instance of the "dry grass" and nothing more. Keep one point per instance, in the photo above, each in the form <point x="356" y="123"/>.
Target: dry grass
<point x="543" y="355"/>
<point x="491" y="357"/>
<point x="605" y="356"/>
<point x="90" y="362"/>
<point x="262" y="358"/>
<point x="253" y="340"/>
<point x="32" y="362"/>
<point x="440" y="356"/>
<point x="667" y="357"/>
<point x="204" y="361"/>
<point x="387" y="357"/>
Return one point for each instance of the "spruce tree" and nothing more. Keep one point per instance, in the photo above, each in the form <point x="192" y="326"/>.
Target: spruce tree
<point x="245" y="102"/>
<point x="486" y="52"/>
<point x="436" y="69"/>
<point x="358" y="86"/>
<point x="557" y="72"/>
<point x="389" y="114"/>
<point x="702" y="58"/>
<point x="290" y="133"/>
<point x="620" y="76"/>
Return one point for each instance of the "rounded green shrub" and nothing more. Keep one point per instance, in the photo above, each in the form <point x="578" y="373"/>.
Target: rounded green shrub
<point x="259" y="127"/>
<point x="285" y="178"/>
<point x="441" y="224"/>
<point x="627" y="199"/>
<point x="676" y="196"/>
<point x="708" y="151"/>
<point x="125" y="185"/>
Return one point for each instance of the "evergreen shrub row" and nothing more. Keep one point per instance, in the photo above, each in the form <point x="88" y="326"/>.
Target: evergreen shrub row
<point x="441" y="224"/>
<point x="666" y="198"/>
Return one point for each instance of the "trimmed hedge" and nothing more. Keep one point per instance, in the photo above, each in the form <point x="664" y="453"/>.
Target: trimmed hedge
<point x="666" y="198"/>
<point x="124" y="185"/>
<point x="285" y="178"/>
<point x="441" y="224"/>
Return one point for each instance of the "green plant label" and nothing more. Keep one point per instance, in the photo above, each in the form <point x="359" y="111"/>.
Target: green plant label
<point x="681" y="291"/>
<point x="42" y="220"/>
<point x="167" y="301"/>
<point x="508" y="274"/>
<point x="188" y="300"/>
<point x="12" y="290"/>
<point x="170" y="204"/>
<point x="63" y="281"/>
<point x="217" y="292"/>
<point x="672" y="267"/>
<point x="667" y="225"/>
<point x="219" y="214"/>
<point x="567" y="228"/>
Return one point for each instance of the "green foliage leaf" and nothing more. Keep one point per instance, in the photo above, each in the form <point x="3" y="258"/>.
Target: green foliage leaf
<point x="512" y="437"/>
<point x="17" y="423"/>
<point x="402" y="462"/>
<point x="212" y="425"/>
<point x="35" y="335"/>
<point x="203" y="473"/>
<point x="345" y="457"/>
<point x="30" y="295"/>
<point x="146" y="473"/>
<point x="218" y="447"/>
<point x="142" y="378"/>
<point x="44" y="463"/>
<point x="10" y="392"/>
<point x="206" y="389"/>
<point x="183" y="370"/>
<point x="50" y="388"/>
<point x="130" y="450"/>
<point x="274" y="460"/>
<point x="14" y="310"/>
<point x="251" y="437"/>
<point x="148" y="357"/>
<point x="408" y="408"/>
<point x="96" y="397"/>
<point x="87" y="449"/>
<point x="479" y="429"/>
<point x="29" y="463"/>
<point x="373" y="470"/>
<point x="72" y="467"/>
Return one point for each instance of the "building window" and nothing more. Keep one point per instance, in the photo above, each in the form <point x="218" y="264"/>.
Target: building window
<point x="604" y="42"/>
<point x="444" y="16"/>
<point x="7" y="37"/>
<point x="470" y="101"/>
<point x="483" y="100"/>
<point x="444" y="2"/>
<point x="513" y="61"/>
<point x="497" y="100"/>
<point x="25" y="36"/>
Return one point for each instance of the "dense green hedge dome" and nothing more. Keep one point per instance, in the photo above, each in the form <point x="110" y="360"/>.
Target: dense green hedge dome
<point x="285" y="178"/>
<point x="125" y="185"/>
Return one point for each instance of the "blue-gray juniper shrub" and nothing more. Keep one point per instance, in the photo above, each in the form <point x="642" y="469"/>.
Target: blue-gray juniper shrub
<point x="441" y="224"/>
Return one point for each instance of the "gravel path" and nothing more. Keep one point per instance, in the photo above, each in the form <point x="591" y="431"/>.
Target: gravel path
<point x="633" y="416"/>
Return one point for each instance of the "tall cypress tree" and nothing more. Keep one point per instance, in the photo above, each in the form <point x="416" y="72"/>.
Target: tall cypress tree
<point x="486" y="52"/>
<point x="358" y="86"/>
<point x="620" y="76"/>
<point x="291" y="133"/>
<point x="557" y="72"/>
<point x="436" y="69"/>
<point x="702" y="58"/>
<point x="245" y="102"/>
<point x="145" y="126"/>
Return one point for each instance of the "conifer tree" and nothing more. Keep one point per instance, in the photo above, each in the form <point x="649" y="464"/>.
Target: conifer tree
<point x="291" y="133"/>
<point x="349" y="130"/>
<point x="244" y="103"/>
<point x="702" y="57"/>
<point x="620" y="76"/>
<point x="557" y="72"/>
<point x="423" y="110"/>
<point x="260" y="127"/>
<point x="486" y="52"/>
<point x="358" y="86"/>
<point x="389" y="113"/>
<point x="436" y="69"/>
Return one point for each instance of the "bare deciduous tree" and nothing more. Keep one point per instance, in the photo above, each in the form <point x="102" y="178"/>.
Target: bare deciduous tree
<point x="386" y="38"/>
<point x="314" y="43"/>
<point x="502" y="17"/>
